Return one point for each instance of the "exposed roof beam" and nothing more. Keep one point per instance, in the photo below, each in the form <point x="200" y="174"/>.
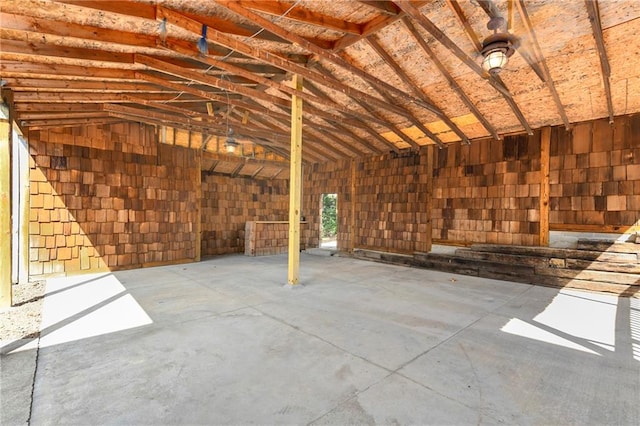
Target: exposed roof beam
<point x="276" y="85"/>
<point x="596" y="26"/>
<point x="331" y="57"/>
<point x="46" y="85"/>
<point x="60" y="115"/>
<point x="462" y="19"/>
<point x="92" y="98"/>
<point x="268" y="57"/>
<point x="428" y="133"/>
<point x="316" y="91"/>
<point x="386" y="7"/>
<point x="494" y="81"/>
<point x="452" y="83"/>
<point x="32" y="47"/>
<point x="301" y="15"/>
<point x="232" y="87"/>
<point x="370" y="28"/>
<point x="548" y="80"/>
<point x="373" y="42"/>
<point x="26" y="68"/>
<point x="70" y="122"/>
<point x="214" y="128"/>
<point x="318" y="156"/>
<point x="28" y="107"/>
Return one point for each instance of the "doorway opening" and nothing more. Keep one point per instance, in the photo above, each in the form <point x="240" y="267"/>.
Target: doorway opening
<point x="329" y="221"/>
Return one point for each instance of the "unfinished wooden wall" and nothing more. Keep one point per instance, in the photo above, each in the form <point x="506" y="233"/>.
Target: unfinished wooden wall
<point x="228" y="203"/>
<point x="109" y="197"/>
<point x="595" y="176"/>
<point x="488" y="192"/>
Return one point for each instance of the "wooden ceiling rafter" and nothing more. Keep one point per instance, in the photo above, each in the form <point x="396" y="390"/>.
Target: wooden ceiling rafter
<point x="301" y="15"/>
<point x="372" y="132"/>
<point x="593" y="9"/>
<point x="282" y="63"/>
<point x="442" y="38"/>
<point x="213" y="81"/>
<point x="26" y="116"/>
<point x="385" y="7"/>
<point x="464" y="22"/>
<point x="66" y="123"/>
<point x="333" y="58"/>
<point x="452" y="82"/>
<point x="393" y="128"/>
<point x="522" y="10"/>
<point x="272" y="83"/>
<point x="221" y="98"/>
<point x="395" y="66"/>
<point x="45" y="85"/>
<point x="371" y="27"/>
<point x="92" y="98"/>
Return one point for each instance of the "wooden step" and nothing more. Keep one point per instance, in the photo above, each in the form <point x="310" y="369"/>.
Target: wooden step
<point x="608" y="246"/>
<point x="503" y="258"/>
<point x="590" y="275"/>
<point x="625" y="268"/>
<point x="558" y="253"/>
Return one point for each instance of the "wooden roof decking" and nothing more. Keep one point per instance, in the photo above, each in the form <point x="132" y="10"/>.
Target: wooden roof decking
<point x="379" y="75"/>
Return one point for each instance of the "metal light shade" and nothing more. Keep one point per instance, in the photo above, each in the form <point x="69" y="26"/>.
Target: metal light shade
<point x="496" y="50"/>
<point x="231" y="145"/>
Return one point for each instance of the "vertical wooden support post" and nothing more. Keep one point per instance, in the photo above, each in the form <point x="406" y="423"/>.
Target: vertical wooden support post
<point x="295" y="183"/>
<point x="429" y="153"/>
<point x="5" y="213"/>
<point x="198" y="219"/>
<point x="352" y="236"/>
<point x="545" y="145"/>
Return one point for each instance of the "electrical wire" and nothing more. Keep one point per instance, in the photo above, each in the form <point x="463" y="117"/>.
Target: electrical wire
<point x="163" y="32"/>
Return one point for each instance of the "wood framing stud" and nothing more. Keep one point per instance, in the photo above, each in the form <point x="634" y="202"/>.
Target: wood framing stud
<point x="295" y="185"/>
<point x="545" y="143"/>
<point x="5" y="214"/>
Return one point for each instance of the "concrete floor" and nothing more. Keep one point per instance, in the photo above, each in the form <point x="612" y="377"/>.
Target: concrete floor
<point x="223" y="342"/>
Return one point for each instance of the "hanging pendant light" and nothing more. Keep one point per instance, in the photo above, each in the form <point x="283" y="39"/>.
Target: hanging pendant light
<point x="231" y="144"/>
<point x="497" y="48"/>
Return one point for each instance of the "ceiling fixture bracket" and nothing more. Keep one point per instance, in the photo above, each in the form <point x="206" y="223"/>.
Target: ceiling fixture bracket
<point x="498" y="47"/>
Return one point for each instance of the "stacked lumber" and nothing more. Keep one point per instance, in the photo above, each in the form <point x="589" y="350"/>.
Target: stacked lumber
<point x="109" y="197"/>
<point x="229" y="203"/>
<point x="488" y="192"/>
<point x="595" y="176"/>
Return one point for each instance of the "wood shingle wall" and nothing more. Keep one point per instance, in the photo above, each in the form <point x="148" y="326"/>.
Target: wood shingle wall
<point x="109" y="197"/>
<point x="488" y="192"/>
<point x="228" y="203"/>
<point x="595" y="175"/>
